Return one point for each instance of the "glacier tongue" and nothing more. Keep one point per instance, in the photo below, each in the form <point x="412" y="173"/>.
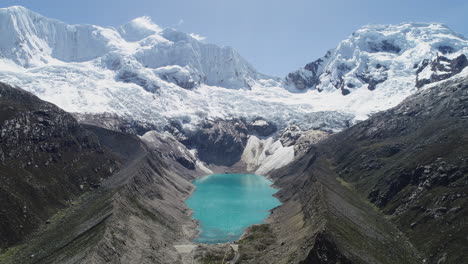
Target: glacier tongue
<point x="154" y="74"/>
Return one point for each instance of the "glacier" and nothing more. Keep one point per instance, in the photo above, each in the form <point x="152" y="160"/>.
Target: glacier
<point x="149" y="73"/>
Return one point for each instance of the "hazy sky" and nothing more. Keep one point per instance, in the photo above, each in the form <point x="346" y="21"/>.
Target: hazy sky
<point x="275" y="36"/>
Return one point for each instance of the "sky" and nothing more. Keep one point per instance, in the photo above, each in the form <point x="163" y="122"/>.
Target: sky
<point x="275" y="36"/>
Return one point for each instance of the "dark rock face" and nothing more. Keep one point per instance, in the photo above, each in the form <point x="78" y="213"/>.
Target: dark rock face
<point x="421" y="179"/>
<point x="170" y="148"/>
<point x="175" y="128"/>
<point x="385" y="46"/>
<point x="375" y="79"/>
<point x="325" y="251"/>
<point x="116" y="123"/>
<point x="442" y="68"/>
<point x="262" y="127"/>
<point x="290" y="135"/>
<point x="445" y="49"/>
<point x="46" y="159"/>
<point x="186" y="84"/>
<point x="220" y="142"/>
<point x="134" y="77"/>
<point x="301" y="81"/>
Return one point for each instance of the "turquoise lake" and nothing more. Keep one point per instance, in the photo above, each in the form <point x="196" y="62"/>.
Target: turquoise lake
<point x="226" y="204"/>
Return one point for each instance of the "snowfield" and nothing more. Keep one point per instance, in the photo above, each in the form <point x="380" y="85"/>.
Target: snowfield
<point x="153" y="74"/>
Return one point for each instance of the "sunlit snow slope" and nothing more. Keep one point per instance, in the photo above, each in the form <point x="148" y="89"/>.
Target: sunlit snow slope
<point x="154" y="74"/>
<point x="379" y="65"/>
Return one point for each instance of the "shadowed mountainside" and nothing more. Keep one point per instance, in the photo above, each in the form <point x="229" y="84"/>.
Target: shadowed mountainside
<point x="133" y="216"/>
<point x="404" y="168"/>
<point x="46" y="160"/>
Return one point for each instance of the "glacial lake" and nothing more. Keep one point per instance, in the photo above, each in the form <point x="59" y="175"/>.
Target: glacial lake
<point x="226" y="204"/>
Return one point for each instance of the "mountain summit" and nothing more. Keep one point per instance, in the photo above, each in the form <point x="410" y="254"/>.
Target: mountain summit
<point x="384" y="57"/>
<point x="140" y="51"/>
<point x="153" y="74"/>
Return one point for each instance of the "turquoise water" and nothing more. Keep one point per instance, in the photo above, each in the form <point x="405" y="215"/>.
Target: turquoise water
<point x="226" y="204"/>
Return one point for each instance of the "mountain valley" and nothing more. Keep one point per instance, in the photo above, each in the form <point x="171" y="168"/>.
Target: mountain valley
<point x="103" y="130"/>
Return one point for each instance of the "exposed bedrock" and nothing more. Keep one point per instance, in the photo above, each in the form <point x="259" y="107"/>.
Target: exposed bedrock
<point x="221" y="142"/>
<point x="117" y="123"/>
<point x="438" y="69"/>
<point x="255" y="144"/>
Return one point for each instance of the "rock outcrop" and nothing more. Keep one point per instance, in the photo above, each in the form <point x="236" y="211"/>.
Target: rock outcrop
<point x="117" y="123"/>
<point x="220" y="142"/>
<point x="439" y="69"/>
<point x="301" y="140"/>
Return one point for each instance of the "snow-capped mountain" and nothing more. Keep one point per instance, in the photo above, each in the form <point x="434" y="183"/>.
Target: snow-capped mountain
<point x="385" y="57"/>
<point x="153" y="74"/>
<point x="139" y="51"/>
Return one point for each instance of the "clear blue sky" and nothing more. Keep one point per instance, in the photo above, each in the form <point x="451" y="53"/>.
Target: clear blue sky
<point x="275" y="36"/>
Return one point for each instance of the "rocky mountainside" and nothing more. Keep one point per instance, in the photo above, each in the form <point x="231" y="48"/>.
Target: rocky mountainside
<point x="405" y="168"/>
<point x="411" y="162"/>
<point x="47" y="160"/>
<point x="85" y="194"/>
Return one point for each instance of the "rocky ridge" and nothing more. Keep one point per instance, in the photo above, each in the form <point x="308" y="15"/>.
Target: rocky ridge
<point x="409" y="162"/>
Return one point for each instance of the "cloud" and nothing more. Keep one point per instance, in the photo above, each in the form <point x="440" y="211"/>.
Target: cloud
<point x="197" y="37"/>
<point x="181" y="21"/>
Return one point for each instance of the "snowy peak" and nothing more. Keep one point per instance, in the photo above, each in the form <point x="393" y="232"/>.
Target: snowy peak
<point x="403" y="37"/>
<point x="29" y="39"/>
<point x="157" y="75"/>
<point x="139" y="52"/>
<point x="373" y="56"/>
